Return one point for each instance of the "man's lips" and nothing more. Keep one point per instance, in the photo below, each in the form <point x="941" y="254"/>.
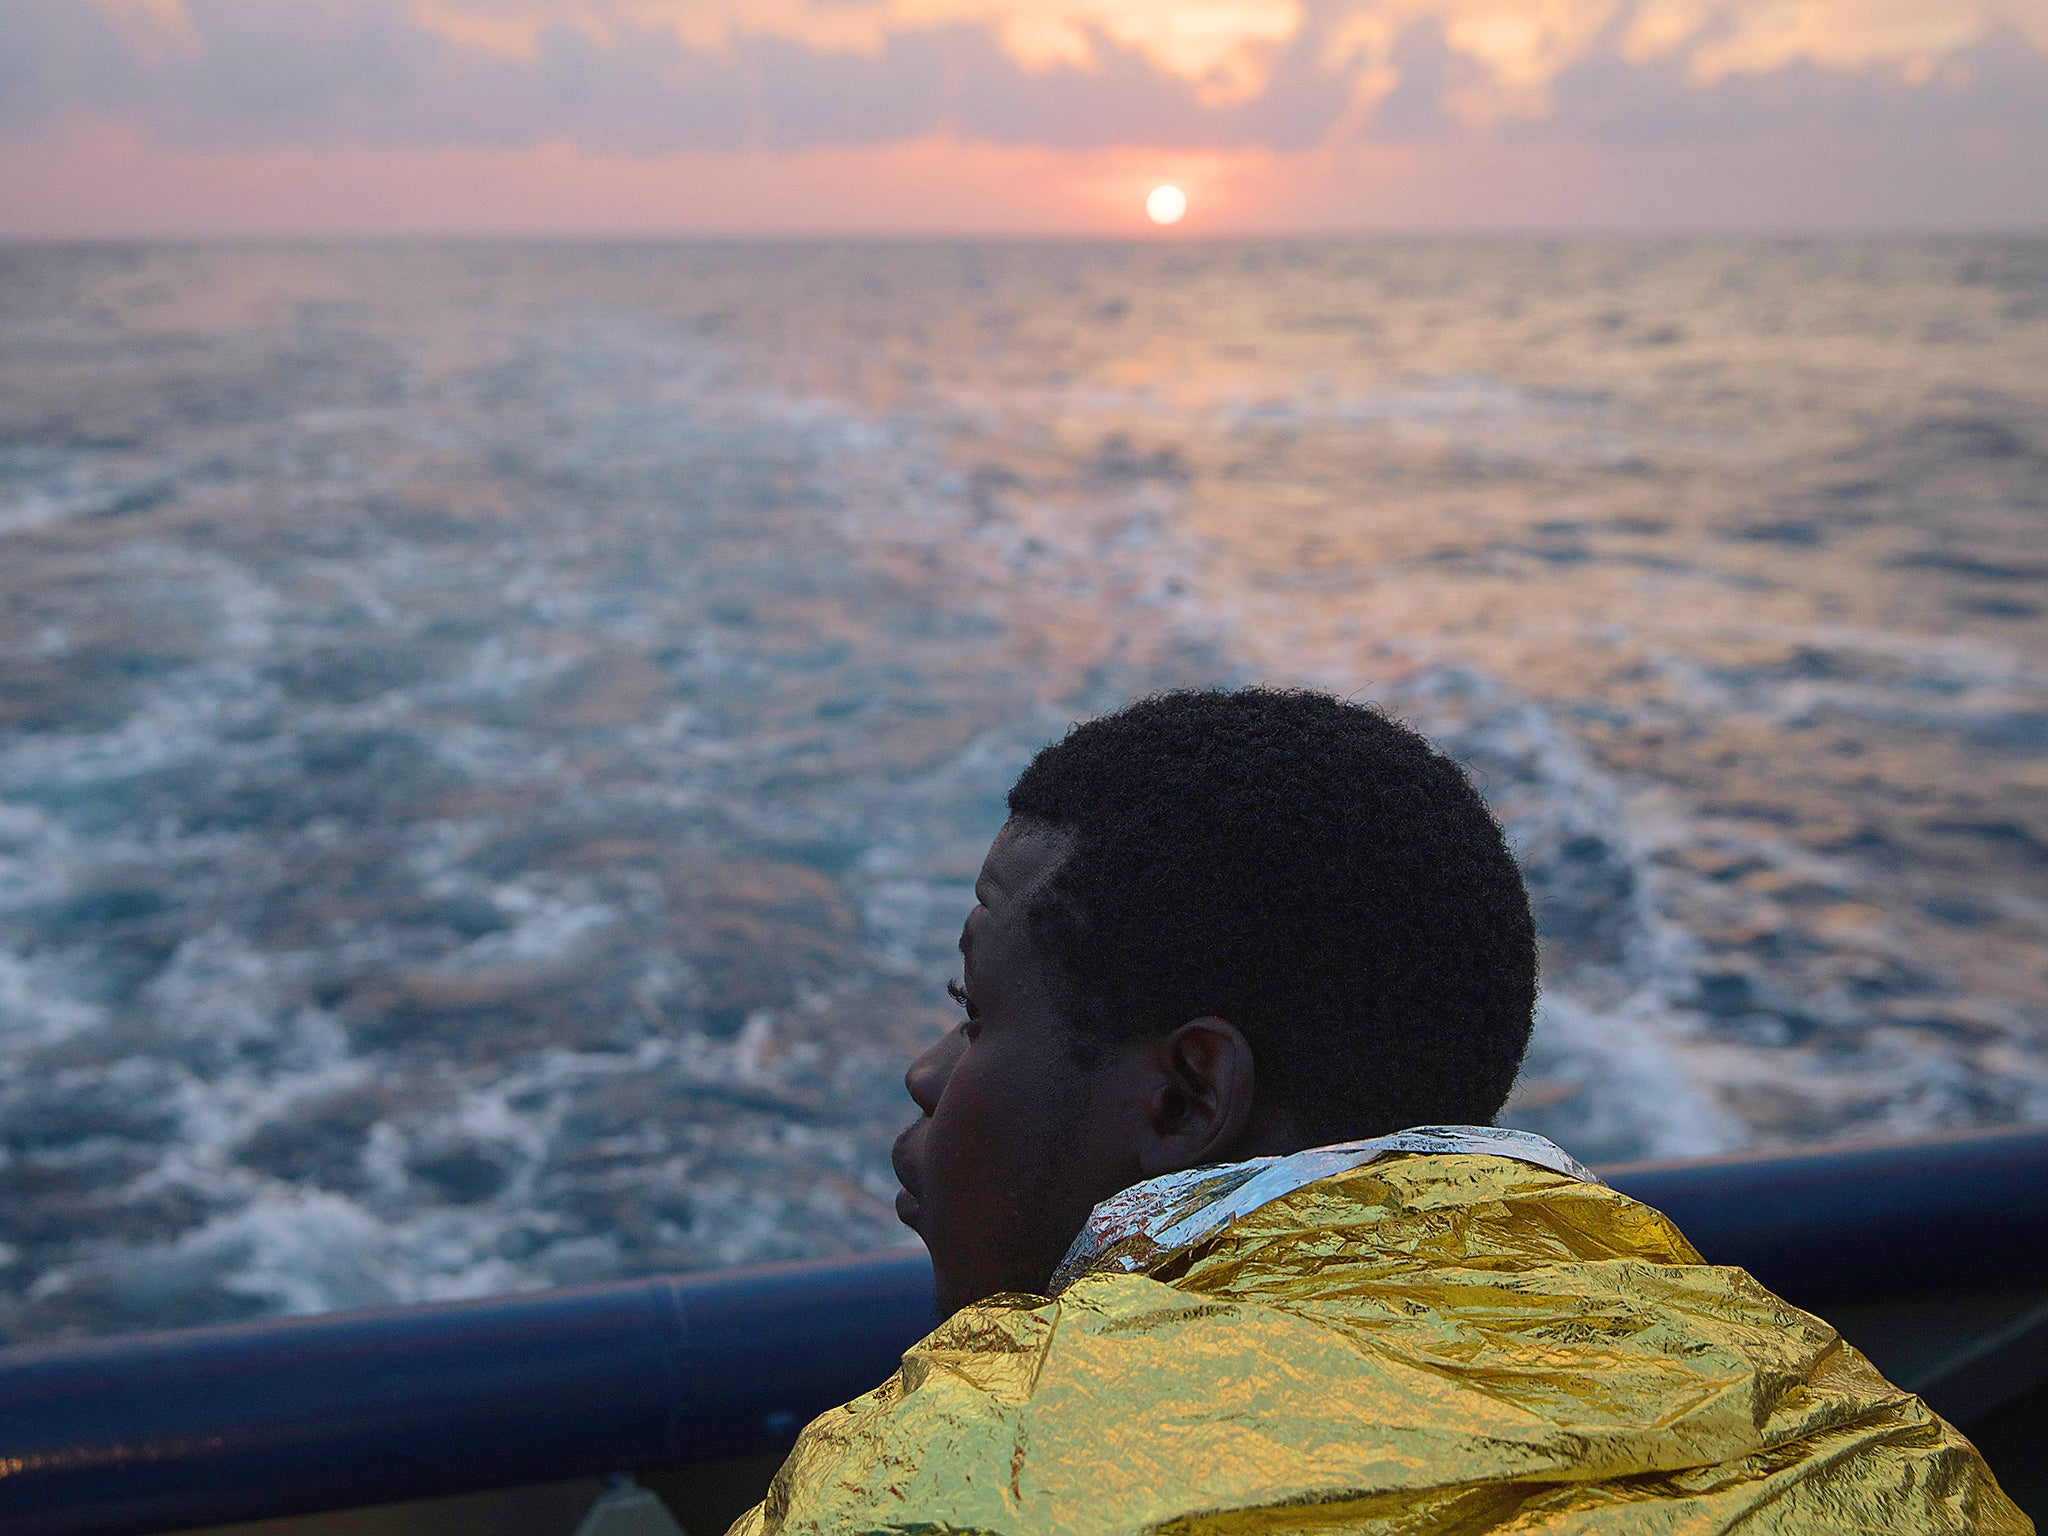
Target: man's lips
<point x="907" y="1208"/>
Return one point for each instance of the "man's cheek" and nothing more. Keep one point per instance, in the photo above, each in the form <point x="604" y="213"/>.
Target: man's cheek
<point x="961" y="1127"/>
<point x="956" y="1157"/>
<point x="973" y="1163"/>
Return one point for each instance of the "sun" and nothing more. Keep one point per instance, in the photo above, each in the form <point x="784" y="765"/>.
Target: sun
<point x="1165" y="204"/>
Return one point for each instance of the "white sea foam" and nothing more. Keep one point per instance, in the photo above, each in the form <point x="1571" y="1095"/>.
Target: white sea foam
<point x="512" y="828"/>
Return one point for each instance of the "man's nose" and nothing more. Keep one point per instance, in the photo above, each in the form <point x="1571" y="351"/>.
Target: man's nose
<point x="927" y="1076"/>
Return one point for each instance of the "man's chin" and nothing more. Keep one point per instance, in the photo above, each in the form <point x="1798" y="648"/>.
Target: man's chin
<point x="954" y="1295"/>
<point x="951" y="1293"/>
<point x="948" y="1298"/>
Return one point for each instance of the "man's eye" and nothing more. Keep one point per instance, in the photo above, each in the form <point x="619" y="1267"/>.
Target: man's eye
<point x="959" y="995"/>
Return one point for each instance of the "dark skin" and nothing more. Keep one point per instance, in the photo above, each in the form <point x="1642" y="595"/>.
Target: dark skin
<point x="1019" y="1139"/>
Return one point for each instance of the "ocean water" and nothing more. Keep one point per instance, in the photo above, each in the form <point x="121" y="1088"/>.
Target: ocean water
<point x="495" y="740"/>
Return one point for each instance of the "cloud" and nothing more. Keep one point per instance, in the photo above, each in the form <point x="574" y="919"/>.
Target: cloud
<point x="653" y="76"/>
<point x="1220" y="48"/>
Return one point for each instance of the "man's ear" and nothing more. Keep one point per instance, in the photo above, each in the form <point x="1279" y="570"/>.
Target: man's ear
<point x="1201" y="1097"/>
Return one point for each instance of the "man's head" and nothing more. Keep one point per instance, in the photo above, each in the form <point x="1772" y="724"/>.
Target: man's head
<point x="1216" y="925"/>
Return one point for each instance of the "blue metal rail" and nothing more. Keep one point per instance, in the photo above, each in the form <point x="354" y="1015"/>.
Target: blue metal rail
<point x="164" y="1431"/>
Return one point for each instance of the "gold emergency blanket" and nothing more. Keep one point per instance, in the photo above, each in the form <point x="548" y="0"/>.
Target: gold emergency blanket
<point x="1429" y="1343"/>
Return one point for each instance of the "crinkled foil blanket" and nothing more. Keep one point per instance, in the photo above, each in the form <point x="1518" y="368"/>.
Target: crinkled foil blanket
<point x="1430" y="1342"/>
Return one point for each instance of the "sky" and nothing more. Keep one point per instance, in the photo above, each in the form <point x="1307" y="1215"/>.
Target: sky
<point x="1017" y="117"/>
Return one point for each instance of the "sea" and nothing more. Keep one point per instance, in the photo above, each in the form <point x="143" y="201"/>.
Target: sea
<point x="495" y="739"/>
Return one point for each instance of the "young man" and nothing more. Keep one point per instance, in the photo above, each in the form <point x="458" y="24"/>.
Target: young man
<point x="1201" y="1273"/>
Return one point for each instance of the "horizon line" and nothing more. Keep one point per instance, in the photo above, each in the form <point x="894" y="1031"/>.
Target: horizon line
<point x="1505" y="233"/>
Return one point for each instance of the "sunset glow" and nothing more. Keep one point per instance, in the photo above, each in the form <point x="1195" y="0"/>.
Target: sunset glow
<point x="846" y="116"/>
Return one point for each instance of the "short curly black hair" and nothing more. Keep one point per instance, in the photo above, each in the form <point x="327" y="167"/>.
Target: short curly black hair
<point x="1309" y="869"/>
